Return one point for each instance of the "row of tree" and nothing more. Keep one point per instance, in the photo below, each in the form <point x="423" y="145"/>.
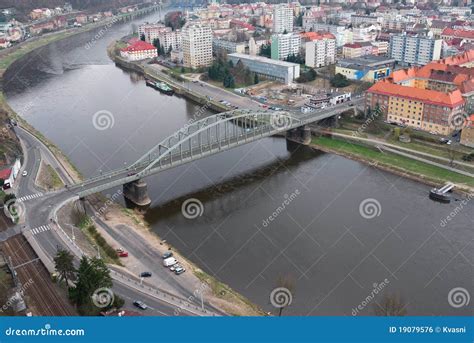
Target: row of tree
<point x="230" y="74"/>
<point x="92" y="275"/>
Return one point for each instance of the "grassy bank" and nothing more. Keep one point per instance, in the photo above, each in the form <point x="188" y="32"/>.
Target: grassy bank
<point x="400" y="164"/>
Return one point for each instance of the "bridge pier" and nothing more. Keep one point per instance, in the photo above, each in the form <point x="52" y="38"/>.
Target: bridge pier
<point x="137" y="192"/>
<point x="300" y="135"/>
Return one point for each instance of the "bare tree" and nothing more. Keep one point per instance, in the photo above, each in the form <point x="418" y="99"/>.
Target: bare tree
<point x="391" y="305"/>
<point x="282" y="296"/>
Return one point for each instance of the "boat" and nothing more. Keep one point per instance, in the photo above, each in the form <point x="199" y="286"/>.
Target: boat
<point x="164" y="88"/>
<point x="442" y="194"/>
<point x="161" y="86"/>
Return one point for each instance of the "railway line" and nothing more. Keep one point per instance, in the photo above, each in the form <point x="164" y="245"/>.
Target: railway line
<point x="42" y="295"/>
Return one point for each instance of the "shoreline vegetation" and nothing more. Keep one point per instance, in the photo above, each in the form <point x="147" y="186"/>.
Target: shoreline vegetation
<point x="224" y="297"/>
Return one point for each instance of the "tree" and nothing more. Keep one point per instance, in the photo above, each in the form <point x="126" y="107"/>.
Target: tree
<point x="2" y="182"/>
<point x="229" y="81"/>
<point x="9" y="197"/>
<point x="266" y="50"/>
<point x="391" y="305"/>
<point x="92" y="275"/>
<point x="142" y="37"/>
<point x="64" y="264"/>
<point x="287" y="284"/>
<point x="299" y="20"/>
<point x="255" y="79"/>
<point x="339" y="81"/>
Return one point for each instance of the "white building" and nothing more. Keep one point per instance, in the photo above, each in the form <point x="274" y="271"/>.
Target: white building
<point x="320" y="52"/>
<point x="276" y="70"/>
<point x="139" y="50"/>
<point x="282" y="18"/>
<point x="284" y="45"/>
<point x="413" y="50"/>
<point x="197" y="45"/>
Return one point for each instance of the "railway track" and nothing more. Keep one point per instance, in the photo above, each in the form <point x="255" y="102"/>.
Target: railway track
<point x="42" y="293"/>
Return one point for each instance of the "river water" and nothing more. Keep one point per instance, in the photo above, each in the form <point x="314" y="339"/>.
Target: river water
<point x="269" y="212"/>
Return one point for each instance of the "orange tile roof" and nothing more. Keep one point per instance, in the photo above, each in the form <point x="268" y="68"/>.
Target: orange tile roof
<point x="425" y="95"/>
<point x="317" y="35"/>
<point x="458" y="33"/>
<point x="403" y="74"/>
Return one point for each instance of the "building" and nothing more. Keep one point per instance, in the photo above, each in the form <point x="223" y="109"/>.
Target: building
<point x="429" y="98"/>
<point x="367" y="68"/>
<point x="464" y="35"/>
<point x="138" y="50"/>
<point x="414" y="50"/>
<point x="272" y="69"/>
<point x="256" y="45"/>
<point x="4" y="43"/>
<point x="357" y="20"/>
<point x="418" y="108"/>
<point x="197" y="45"/>
<point x="284" y="45"/>
<point x="355" y="50"/>
<point x="282" y="18"/>
<point x="320" y="50"/>
<point x="229" y="46"/>
<point x="467" y="134"/>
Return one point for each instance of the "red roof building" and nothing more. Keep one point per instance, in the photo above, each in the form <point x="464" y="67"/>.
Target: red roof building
<point x="139" y="50"/>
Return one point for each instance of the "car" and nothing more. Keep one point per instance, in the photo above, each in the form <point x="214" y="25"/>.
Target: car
<point x="168" y="262"/>
<point x="179" y="271"/>
<point x="122" y="254"/>
<point x="24" y="173"/>
<point x="195" y="81"/>
<point x="119" y="250"/>
<point x="166" y="255"/>
<point x="131" y="174"/>
<point x="175" y="266"/>
<point x="145" y="274"/>
<point x="140" y="304"/>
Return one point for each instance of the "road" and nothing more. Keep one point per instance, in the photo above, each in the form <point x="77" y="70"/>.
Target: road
<point x="38" y="211"/>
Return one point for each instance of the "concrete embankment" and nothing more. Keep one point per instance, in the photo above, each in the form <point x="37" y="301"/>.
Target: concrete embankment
<point x="159" y="76"/>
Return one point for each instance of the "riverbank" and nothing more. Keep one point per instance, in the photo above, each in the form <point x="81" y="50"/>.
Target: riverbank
<point x="228" y="302"/>
<point x="172" y="79"/>
<point x="399" y="165"/>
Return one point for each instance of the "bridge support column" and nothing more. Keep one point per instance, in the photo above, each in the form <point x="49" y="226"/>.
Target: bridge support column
<point x="137" y="193"/>
<point x="301" y="135"/>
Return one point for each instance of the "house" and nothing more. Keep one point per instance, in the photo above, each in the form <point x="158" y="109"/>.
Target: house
<point x="4" y="43"/>
<point x="139" y="50"/>
<point x="467" y="134"/>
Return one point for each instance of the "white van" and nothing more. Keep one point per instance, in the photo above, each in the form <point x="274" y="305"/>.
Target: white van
<point x="168" y="262"/>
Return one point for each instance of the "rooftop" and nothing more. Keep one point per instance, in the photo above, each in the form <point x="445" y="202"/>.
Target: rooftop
<point x="139" y="46"/>
<point x="365" y="61"/>
<point x="263" y="60"/>
<point x="451" y="99"/>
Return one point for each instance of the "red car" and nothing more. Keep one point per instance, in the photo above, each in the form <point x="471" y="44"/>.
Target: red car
<point x="122" y="254"/>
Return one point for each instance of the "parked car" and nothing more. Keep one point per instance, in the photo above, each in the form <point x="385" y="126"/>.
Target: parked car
<point x="24" y="173"/>
<point x="140" y="304"/>
<point x="145" y="274"/>
<point x="166" y="255"/>
<point x="168" y="262"/>
<point x="122" y="254"/>
<point x="175" y="266"/>
<point x="179" y="271"/>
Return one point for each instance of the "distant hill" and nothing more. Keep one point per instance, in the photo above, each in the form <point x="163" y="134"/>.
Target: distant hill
<point x="25" y="6"/>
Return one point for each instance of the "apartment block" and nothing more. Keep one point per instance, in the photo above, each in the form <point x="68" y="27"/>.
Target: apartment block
<point x="414" y="50"/>
<point x="284" y="45"/>
<point x="321" y="51"/>
<point x="197" y="45"/>
<point x="282" y="18"/>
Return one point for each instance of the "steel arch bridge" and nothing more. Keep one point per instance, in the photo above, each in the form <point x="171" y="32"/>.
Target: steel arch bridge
<point x="202" y="138"/>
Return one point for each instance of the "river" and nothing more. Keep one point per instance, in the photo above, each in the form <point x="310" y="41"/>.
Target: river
<point x="268" y="212"/>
